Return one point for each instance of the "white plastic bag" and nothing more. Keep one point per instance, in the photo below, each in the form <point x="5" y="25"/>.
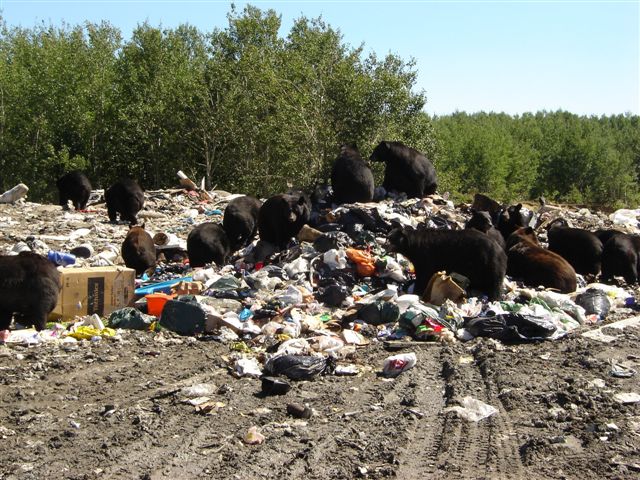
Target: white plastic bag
<point x="396" y="364"/>
<point x="472" y="409"/>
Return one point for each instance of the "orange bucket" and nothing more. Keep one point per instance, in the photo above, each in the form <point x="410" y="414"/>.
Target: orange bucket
<point x="155" y="303"/>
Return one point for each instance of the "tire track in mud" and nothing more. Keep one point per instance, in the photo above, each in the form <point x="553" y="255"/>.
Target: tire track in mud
<point x="462" y="449"/>
<point x="394" y="408"/>
<point x="77" y="394"/>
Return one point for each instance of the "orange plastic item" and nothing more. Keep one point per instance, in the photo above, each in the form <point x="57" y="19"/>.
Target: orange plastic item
<point x="155" y="303"/>
<point x="365" y="263"/>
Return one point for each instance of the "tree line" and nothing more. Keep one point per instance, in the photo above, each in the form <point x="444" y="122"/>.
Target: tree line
<point x="256" y="112"/>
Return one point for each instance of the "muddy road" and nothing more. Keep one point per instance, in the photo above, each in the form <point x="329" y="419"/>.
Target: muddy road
<point x="115" y="409"/>
<point x="119" y="408"/>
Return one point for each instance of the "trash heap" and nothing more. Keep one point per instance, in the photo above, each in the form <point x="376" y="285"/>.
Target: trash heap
<point x="307" y="310"/>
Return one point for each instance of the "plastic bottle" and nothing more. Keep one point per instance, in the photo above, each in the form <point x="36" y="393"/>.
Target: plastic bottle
<point x="61" y="258"/>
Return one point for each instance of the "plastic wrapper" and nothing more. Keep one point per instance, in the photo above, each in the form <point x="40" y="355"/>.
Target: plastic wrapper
<point x="335" y="259"/>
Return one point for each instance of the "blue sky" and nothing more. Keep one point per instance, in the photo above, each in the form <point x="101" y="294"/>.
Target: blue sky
<point x="505" y="56"/>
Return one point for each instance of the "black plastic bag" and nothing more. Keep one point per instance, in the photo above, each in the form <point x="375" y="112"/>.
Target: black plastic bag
<point x="594" y="301"/>
<point x="297" y="367"/>
<point x="356" y="219"/>
<point x="331" y="240"/>
<point x="332" y="295"/>
<point x="379" y="313"/>
<point x="510" y="327"/>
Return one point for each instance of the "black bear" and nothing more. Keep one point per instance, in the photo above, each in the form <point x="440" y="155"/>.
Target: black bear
<point x="620" y="257"/>
<point x="605" y="234"/>
<point x="482" y="203"/>
<point x="29" y="288"/>
<point x="351" y="178"/>
<point x="126" y="198"/>
<point x="481" y="221"/>
<point x="74" y="186"/>
<point x="281" y="217"/>
<point x="581" y="248"/>
<point x="536" y="266"/>
<point x="240" y="220"/>
<point x="208" y="242"/>
<point x="467" y="252"/>
<point x="138" y="250"/>
<point x="510" y="219"/>
<point x="406" y="170"/>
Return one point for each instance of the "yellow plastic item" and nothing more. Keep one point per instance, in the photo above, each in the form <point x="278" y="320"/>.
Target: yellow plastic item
<point x="86" y="333"/>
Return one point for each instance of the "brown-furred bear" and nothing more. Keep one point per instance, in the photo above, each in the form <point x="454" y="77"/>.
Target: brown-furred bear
<point x="351" y="178"/>
<point x="206" y="243"/>
<point x="468" y="252"/>
<point x="620" y="257"/>
<point x="281" y="217"/>
<point x="406" y="169"/>
<point x="74" y="186"/>
<point x="482" y="203"/>
<point x="481" y="221"/>
<point x="126" y="198"/>
<point x="29" y="288"/>
<point x="536" y="266"/>
<point x="138" y="250"/>
<point x="240" y="221"/>
<point x="581" y="248"/>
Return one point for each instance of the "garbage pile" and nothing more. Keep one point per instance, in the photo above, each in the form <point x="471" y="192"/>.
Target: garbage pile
<point x="301" y="312"/>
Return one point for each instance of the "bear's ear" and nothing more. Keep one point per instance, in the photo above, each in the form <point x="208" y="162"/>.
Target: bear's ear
<point x="518" y="207"/>
<point x="142" y="226"/>
<point x="395" y="225"/>
<point x="397" y="239"/>
<point x="387" y="144"/>
<point x="302" y="200"/>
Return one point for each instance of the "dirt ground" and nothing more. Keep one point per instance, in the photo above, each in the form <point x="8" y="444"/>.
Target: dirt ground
<point x="114" y="409"/>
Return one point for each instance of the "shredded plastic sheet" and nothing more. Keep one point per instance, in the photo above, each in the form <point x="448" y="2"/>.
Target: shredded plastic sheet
<point x="472" y="409"/>
<point x="30" y="336"/>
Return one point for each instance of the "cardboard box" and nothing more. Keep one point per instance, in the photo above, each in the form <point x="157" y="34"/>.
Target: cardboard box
<point x="90" y="290"/>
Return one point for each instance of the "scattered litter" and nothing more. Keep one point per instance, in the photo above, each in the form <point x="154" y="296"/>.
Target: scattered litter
<point x="253" y="436"/>
<point x="247" y="367"/>
<point x="296" y="367"/>
<point x="472" y="410"/>
<point x="627" y="397"/>
<point x="396" y="364"/>
<point x="597" y="334"/>
<point x="198" y="390"/>
<point x="621" y="371"/>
